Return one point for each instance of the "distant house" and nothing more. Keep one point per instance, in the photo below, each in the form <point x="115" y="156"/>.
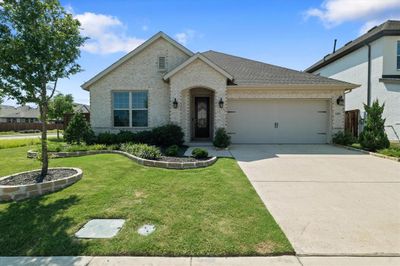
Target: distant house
<point x="372" y="60"/>
<point x="163" y="82"/>
<point x="81" y="108"/>
<point x="21" y="114"/>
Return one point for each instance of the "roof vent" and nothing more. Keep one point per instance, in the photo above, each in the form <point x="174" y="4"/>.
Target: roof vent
<point x="371" y="29"/>
<point x="348" y="43"/>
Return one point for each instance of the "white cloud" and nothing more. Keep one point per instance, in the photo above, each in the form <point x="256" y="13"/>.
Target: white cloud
<point x="375" y="22"/>
<point x="145" y="28"/>
<point x="335" y="12"/>
<point x="185" y="36"/>
<point x="107" y="34"/>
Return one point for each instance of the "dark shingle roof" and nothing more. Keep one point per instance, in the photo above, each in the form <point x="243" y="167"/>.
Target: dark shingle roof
<point x="7" y="111"/>
<point x="389" y="28"/>
<point x="253" y="73"/>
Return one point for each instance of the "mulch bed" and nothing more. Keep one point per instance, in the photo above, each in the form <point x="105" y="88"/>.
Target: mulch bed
<point x="32" y="177"/>
<point x="180" y="159"/>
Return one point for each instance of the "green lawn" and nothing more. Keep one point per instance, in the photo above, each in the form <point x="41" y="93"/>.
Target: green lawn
<point x="10" y="133"/>
<point x="212" y="211"/>
<point x="393" y="150"/>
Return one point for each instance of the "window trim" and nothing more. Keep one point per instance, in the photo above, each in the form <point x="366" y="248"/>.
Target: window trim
<point x="130" y="109"/>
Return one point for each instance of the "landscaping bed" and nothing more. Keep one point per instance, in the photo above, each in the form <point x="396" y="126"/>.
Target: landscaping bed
<point x="32" y="177"/>
<point x="27" y="184"/>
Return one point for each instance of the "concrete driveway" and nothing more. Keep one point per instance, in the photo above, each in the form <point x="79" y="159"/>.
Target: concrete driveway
<point x="328" y="200"/>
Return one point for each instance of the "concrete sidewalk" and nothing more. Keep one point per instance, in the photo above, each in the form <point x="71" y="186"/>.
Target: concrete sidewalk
<point x="202" y="261"/>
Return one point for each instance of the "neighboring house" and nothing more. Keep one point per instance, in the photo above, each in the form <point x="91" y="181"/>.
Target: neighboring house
<point x="21" y="114"/>
<point x="372" y="60"/>
<point x="81" y="108"/>
<point x="163" y="82"/>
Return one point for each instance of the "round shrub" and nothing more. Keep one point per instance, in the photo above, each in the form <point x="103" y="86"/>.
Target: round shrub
<point x="221" y="139"/>
<point x="199" y="153"/>
<point x="125" y="136"/>
<point x="106" y="138"/>
<point x="167" y="135"/>
<point x="172" y="150"/>
<point x="343" y="138"/>
<point x="144" y="137"/>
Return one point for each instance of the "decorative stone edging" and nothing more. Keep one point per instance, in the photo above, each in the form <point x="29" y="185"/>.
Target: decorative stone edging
<point x="145" y="162"/>
<point x="369" y="152"/>
<point x="20" y="192"/>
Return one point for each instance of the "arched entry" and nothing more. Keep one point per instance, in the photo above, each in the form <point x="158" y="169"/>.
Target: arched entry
<point x="202" y="113"/>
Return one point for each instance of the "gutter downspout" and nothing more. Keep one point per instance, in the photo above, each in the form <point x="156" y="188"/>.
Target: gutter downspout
<point x="369" y="76"/>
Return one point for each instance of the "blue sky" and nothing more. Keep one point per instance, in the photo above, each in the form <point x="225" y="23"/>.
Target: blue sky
<point x="288" y="33"/>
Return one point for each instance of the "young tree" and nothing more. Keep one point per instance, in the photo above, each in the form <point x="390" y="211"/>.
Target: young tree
<point x="373" y="136"/>
<point x="59" y="106"/>
<point x="39" y="44"/>
<point x="78" y="130"/>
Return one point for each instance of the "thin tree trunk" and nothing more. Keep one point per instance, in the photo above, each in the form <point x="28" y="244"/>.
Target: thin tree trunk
<point x="58" y="135"/>
<point x="43" y="116"/>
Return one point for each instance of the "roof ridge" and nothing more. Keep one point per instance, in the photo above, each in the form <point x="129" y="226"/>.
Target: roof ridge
<point x="276" y="66"/>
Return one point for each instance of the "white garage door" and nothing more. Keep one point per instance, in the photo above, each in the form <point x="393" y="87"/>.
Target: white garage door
<point x="278" y="121"/>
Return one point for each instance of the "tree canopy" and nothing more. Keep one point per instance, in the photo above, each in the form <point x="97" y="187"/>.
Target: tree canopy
<point x="39" y="44"/>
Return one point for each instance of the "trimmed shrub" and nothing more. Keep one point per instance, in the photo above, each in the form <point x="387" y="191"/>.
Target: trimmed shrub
<point x="167" y="135"/>
<point x="221" y="139"/>
<point x="172" y="150"/>
<point x="106" y="138"/>
<point x="163" y="136"/>
<point x="142" y="150"/>
<point x="343" y="138"/>
<point x="144" y="137"/>
<point x="373" y="136"/>
<point x="199" y="153"/>
<point x="125" y="136"/>
<point x="78" y="130"/>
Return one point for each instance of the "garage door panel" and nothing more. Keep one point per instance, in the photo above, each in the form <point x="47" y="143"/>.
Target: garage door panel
<point x="278" y="121"/>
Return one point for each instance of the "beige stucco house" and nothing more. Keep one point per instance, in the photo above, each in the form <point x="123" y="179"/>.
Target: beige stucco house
<point x="163" y="82"/>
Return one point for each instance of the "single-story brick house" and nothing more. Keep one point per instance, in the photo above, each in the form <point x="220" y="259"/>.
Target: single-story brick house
<point x="163" y="82"/>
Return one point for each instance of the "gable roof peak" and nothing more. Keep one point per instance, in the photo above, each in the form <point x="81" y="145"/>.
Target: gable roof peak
<point x="135" y="51"/>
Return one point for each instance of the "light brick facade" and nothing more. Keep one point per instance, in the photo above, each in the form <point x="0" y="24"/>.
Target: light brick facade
<point x="141" y="72"/>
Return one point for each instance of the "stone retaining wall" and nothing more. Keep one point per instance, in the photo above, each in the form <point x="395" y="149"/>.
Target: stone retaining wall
<point x="145" y="162"/>
<point x="20" y="192"/>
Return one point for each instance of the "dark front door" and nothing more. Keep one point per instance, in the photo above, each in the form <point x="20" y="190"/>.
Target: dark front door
<point x="202" y="117"/>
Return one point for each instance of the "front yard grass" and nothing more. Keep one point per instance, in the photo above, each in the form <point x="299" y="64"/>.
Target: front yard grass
<point x="393" y="150"/>
<point x="211" y="211"/>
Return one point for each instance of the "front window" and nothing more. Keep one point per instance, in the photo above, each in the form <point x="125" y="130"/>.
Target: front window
<point x="130" y="109"/>
<point x="398" y="54"/>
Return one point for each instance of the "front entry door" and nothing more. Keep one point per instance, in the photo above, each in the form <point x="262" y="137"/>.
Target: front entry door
<point x="202" y="117"/>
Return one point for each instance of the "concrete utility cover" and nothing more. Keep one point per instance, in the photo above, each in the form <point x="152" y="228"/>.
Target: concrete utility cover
<point x="100" y="228"/>
<point x="146" y="229"/>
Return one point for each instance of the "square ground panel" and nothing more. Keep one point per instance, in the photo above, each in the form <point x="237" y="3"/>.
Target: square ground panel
<point x="100" y="228"/>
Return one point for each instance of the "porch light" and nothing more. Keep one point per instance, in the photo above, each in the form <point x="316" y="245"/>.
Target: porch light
<point x="175" y="103"/>
<point x="340" y="100"/>
<point x="221" y="103"/>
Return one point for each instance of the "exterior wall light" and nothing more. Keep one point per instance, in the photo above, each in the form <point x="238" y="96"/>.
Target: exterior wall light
<point x="221" y="103"/>
<point x="175" y="103"/>
<point x="340" y="100"/>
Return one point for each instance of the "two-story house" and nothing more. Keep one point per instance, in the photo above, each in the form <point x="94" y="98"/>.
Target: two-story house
<point x="373" y="61"/>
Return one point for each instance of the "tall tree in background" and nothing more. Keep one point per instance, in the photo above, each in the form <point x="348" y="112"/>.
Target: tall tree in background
<point x="39" y="44"/>
<point x="59" y="106"/>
